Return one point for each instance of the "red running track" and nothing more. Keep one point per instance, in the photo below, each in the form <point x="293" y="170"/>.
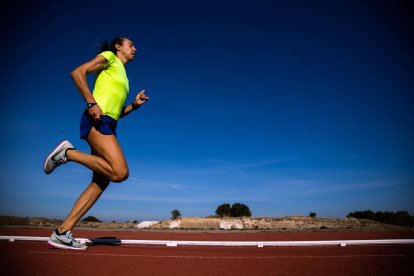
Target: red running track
<point x="36" y="258"/>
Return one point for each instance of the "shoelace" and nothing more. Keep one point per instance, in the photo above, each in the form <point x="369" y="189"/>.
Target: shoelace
<point x="70" y="236"/>
<point x="61" y="161"/>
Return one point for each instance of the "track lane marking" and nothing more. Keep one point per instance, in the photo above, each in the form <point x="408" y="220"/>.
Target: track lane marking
<point x="205" y="257"/>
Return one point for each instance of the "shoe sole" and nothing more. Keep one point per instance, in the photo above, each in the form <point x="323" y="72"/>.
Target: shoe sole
<point x="62" y="246"/>
<point x="58" y="148"/>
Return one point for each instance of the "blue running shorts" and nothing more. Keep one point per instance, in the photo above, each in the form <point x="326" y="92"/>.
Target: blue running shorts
<point x="106" y="126"/>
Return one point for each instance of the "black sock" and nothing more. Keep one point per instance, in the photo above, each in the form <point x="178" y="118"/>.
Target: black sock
<point x="57" y="232"/>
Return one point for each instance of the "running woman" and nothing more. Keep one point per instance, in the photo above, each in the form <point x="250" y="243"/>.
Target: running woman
<point x="104" y="107"/>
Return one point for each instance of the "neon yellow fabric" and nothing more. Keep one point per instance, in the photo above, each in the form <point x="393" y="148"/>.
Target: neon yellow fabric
<point x="111" y="86"/>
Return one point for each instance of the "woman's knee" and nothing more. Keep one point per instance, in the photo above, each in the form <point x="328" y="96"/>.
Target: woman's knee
<point x="120" y="175"/>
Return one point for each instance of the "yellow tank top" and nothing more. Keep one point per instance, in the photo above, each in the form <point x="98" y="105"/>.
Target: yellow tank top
<point x="111" y="86"/>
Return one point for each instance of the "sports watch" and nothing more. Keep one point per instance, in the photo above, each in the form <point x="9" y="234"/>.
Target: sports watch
<point x="89" y="105"/>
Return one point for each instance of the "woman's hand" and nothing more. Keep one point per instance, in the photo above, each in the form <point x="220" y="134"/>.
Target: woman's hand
<point x="95" y="112"/>
<point x="141" y="98"/>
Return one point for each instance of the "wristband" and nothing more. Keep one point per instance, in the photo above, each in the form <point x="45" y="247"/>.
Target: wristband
<point x="134" y="105"/>
<point x="89" y="105"/>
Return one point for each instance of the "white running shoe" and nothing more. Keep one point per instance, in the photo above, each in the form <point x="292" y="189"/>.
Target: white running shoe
<point x="57" y="157"/>
<point x="65" y="241"/>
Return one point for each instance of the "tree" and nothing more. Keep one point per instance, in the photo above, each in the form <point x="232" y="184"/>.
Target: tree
<point x="240" y="210"/>
<point x="175" y="214"/>
<point x="223" y="210"/>
<point x="91" y="219"/>
<point x="402" y="218"/>
<point x="236" y="210"/>
<point x="312" y="214"/>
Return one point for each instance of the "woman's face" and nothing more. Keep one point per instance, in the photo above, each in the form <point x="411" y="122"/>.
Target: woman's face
<point x="127" y="50"/>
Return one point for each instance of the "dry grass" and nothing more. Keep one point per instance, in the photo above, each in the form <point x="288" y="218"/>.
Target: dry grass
<point x="53" y="223"/>
<point x="293" y="223"/>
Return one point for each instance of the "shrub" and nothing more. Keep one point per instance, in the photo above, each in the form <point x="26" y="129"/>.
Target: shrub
<point x="175" y="214"/>
<point x="402" y="218"/>
<point x="224" y="210"/>
<point x="240" y="210"/>
<point x="236" y="210"/>
<point x="13" y="220"/>
<point x="91" y="219"/>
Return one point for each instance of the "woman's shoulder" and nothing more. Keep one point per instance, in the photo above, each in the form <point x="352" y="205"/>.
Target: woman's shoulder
<point x="108" y="55"/>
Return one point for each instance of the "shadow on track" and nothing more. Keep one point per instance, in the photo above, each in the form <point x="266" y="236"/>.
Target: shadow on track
<point x="104" y="241"/>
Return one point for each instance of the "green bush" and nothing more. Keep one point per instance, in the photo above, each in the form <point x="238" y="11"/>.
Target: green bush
<point x="224" y="210"/>
<point x="236" y="210"/>
<point x="240" y="210"/>
<point x="175" y="214"/>
<point x="91" y="219"/>
<point x="402" y="218"/>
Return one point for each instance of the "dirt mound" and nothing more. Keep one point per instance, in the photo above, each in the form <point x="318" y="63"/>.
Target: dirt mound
<point x="293" y="223"/>
<point x="276" y="224"/>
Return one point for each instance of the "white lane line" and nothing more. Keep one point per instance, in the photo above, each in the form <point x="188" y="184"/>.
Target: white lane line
<point x="223" y="243"/>
<point x="83" y="254"/>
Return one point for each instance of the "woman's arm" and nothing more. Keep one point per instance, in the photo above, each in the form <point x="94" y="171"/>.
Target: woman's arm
<point x="140" y="99"/>
<point x="79" y="78"/>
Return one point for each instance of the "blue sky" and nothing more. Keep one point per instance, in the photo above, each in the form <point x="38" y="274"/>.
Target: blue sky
<point x="290" y="107"/>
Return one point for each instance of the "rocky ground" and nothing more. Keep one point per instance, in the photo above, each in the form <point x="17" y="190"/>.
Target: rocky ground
<point x="292" y="223"/>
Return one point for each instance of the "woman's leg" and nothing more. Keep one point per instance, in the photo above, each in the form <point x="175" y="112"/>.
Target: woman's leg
<point x="85" y="201"/>
<point x="108" y="163"/>
<point x="107" y="159"/>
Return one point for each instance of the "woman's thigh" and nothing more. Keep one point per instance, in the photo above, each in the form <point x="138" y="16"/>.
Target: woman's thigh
<point x="108" y="148"/>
